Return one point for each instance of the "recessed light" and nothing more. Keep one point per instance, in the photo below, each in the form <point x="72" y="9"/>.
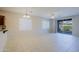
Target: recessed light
<point x="52" y="17"/>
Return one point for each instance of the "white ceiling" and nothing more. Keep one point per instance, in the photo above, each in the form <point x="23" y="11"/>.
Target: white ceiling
<point x="46" y="12"/>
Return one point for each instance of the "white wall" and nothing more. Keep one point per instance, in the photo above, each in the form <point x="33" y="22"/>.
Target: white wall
<point x="75" y="25"/>
<point x="52" y="26"/>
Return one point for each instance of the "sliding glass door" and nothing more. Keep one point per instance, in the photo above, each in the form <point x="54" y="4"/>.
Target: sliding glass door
<point x="65" y="26"/>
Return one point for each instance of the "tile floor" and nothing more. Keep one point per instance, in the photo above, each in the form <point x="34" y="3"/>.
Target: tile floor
<point x="44" y="43"/>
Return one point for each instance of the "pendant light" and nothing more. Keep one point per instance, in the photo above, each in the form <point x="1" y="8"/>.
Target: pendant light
<point x="27" y="14"/>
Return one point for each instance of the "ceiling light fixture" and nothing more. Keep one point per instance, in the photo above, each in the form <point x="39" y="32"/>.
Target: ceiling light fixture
<point x="27" y="14"/>
<point x="52" y="17"/>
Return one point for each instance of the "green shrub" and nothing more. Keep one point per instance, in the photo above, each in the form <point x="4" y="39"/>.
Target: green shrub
<point x="67" y="28"/>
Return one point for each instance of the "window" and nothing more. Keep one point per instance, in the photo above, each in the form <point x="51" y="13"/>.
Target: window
<point x="65" y="26"/>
